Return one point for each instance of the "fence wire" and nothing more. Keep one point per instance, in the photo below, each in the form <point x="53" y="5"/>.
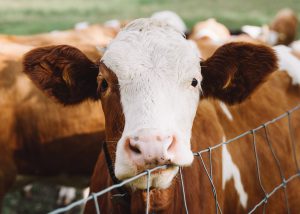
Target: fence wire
<point x="209" y="173"/>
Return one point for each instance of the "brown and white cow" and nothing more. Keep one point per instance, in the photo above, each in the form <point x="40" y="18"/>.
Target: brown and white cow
<point x="149" y="82"/>
<point x="209" y="35"/>
<point x="285" y="24"/>
<point x="94" y="35"/>
<point x="282" y="29"/>
<point x="40" y="138"/>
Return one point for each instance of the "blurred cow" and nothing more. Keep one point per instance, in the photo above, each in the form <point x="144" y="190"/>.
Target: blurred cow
<point x="208" y="35"/>
<point x="285" y="24"/>
<point x="37" y="139"/>
<point x="282" y="30"/>
<point x="211" y="29"/>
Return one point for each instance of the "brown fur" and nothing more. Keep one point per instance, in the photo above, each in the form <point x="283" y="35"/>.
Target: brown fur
<point x="274" y="98"/>
<point x="92" y="35"/>
<point x="206" y="46"/>
<point x="40" y="137"/>
<point x="285" y="24"/>
<point x="235" y="70"/>
<point x="70" y="66"/>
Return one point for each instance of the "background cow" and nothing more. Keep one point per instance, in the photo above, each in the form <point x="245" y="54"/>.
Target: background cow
<point x="40" y="138"/>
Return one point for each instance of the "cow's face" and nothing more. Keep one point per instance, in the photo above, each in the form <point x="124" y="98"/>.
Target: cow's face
<point x="155" y="73"/>
<point x="149" y="82"/>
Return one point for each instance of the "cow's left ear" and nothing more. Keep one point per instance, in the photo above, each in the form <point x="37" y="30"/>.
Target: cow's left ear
<point x="62" y="72"/>
<point x="235" y="70"/>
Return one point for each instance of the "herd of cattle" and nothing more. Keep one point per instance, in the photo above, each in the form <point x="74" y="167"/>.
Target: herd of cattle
<point x="163" y="93"/>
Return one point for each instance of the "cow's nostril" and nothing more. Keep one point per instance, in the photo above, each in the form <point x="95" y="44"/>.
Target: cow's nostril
<point x="172" y="143"/>
<point x="135" y="149"/>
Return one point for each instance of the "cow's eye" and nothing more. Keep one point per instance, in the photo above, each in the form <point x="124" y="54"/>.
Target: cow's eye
<point x="194" y="82"/>
<point x="103" y="86"/>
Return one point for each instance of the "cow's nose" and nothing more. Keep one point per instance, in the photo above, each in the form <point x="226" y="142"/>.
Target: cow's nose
<point x="151" y="149"/>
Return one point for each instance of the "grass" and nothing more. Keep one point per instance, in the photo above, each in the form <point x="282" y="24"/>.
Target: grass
<point x="34" y="16"/>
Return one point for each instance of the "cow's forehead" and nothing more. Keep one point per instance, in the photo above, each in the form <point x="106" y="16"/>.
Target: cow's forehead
<point x="150" y="46"/>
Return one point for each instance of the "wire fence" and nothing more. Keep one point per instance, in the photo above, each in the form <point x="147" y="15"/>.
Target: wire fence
<point x="209" y="173"/>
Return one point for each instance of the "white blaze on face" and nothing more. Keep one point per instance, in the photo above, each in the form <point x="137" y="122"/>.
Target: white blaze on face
<point x="155" y="66"/>
<point x="231" y="171"/>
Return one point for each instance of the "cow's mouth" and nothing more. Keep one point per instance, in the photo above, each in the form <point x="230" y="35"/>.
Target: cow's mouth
<point x="155" y="169"/>
<point x="160" y="178"/>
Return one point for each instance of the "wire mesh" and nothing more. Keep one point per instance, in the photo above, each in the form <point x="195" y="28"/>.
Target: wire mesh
<point x="209" y="172"/>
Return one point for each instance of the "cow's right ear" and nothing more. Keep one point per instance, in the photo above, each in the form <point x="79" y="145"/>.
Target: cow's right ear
<point x="62" y="72"/>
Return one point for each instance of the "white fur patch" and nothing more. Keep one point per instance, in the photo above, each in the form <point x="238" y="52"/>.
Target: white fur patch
<point x="288" y="62"/>
<point x="66" y="195"/>
<point x="229" y="171"/>
<point x="226" y="111"/>
<point x="81" y="25"/>
<point x="155" y="66"/>
<point x="27" y="188"/>
<point x="210" y="34"/>
<point x="160" y="180"/>
<point x="252" y="31"/>
<point x="85" y="192"/>
<point x="171" y="18"/>
<point x="114" y="23"/>
<point x="262" y="33"/>
<point x="295" y="46"/>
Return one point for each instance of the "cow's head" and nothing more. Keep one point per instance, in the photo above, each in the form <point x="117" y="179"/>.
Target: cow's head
<point x="149" y="82"/>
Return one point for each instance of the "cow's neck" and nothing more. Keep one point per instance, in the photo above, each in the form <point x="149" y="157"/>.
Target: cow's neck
<point x="160" y="200"/>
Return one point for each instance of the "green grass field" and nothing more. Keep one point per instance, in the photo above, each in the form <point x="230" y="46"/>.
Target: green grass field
<point x="34" y="16"/>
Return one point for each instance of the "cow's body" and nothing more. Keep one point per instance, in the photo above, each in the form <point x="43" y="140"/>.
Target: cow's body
<point x="93" y="35"/>
<point x="36" y="138"/>
<point x="127" y="87"/>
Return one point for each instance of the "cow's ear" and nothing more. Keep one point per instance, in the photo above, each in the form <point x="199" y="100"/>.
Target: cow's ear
<point x="62" y="72"/>
<point x="235" y="70"/>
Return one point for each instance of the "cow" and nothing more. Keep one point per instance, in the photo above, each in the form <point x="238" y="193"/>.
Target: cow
<point x="73" y="37"/>
<point x="37" y="140"/>
<point x="211" y="29"/>
<point x="285" y="23"/>
<point x="161" y="103"/>
<point x="281" y="31"/>
<point x="209" y="35"/>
